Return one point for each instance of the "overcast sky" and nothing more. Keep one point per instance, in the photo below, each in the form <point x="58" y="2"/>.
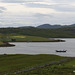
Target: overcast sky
<point x="36" y="12"/>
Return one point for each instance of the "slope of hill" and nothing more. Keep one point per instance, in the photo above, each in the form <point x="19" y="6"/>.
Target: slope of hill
<point x="64" y="32"/>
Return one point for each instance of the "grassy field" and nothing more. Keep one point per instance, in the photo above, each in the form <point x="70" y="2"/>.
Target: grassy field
<point x="67" y="68"/>
<point x="14" y="63"/>
<point x="31" y="38"/>
<point x="26" y="38"/>
<point x="1" y="43"/>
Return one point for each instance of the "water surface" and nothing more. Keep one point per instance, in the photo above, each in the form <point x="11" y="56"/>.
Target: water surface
<point x="41" y="48"/>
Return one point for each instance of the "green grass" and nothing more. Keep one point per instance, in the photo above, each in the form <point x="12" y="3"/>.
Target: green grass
<point x="27" y="38"/>
<point x="65" y="68"/>
<point x="33" y="38"/>
<point x="1" y="43"/>
<point x="14" y="63"/>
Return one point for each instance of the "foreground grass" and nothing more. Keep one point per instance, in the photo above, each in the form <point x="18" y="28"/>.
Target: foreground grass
<point x="14" y="63"/>
<point x="66" y="68"/>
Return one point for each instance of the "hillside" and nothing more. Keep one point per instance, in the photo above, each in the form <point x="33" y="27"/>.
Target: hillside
<point x="64" y="32"/>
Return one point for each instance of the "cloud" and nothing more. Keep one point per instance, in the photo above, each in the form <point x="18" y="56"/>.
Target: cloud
<point x="64" y="1"/>
<point x="19" y="1"/>
<point x="36" y="12"/>
<point x="43" y="15"/>
<point x="10" y="20"/>
<point x="2" y="9"/>
<point x="55" y="6"/>
<point x="58" y="5"/>
<point x="37" y="5"/>
<point x="64" y="8"/>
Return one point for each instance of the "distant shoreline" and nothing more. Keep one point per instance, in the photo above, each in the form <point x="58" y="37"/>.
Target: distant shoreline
<point x="40" y="41"/>
<point x="7" y="44"/>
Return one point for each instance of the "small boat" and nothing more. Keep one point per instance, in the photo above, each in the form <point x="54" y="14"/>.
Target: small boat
<point x="61" y="50"/>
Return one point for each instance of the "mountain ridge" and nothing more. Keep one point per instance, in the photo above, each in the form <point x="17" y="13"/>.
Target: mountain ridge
<point x="48" y="26"/>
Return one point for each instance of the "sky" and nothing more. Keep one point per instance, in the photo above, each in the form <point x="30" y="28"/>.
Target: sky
<point x="15" y="13"/>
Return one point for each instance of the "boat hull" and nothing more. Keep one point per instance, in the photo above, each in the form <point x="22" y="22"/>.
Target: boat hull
<point x="61" y="51"/>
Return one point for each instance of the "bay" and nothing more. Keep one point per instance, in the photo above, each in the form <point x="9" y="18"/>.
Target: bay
<point x="42" y="48"/>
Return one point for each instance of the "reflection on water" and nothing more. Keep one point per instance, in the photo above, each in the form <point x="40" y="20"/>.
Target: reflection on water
<point x="41" y="48"/>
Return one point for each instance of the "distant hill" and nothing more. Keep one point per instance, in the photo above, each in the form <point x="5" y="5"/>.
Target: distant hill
<point x="72" y="25"/>
<point x="63" y="32"/>
<point x="49" y="26"/>
<point x="26" y="27"/>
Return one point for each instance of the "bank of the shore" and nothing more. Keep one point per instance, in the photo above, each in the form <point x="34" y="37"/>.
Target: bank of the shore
<point x="6" y="44"/>
<point x="54" y="40"/>
<point x="30" y="39"/>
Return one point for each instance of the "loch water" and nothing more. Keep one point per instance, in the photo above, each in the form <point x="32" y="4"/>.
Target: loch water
<point x="42" y="48"/>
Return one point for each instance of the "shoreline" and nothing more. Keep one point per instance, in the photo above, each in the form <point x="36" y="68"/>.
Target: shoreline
<point x="40" y="41"/>
<point x="6" y="44"/>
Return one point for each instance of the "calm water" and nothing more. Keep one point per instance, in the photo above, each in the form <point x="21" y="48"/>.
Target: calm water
<point x="41" y="48"/>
